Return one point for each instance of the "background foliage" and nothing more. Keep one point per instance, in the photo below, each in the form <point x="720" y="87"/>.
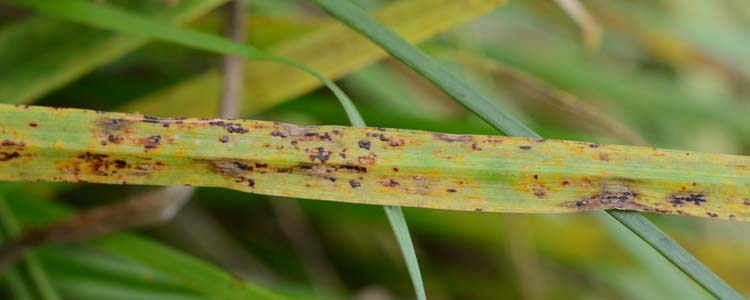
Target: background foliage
<point x="668" y="74"/>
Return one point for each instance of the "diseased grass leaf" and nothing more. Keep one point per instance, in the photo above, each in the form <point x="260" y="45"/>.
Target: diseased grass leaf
<point x="369" y="165"/>
<point x="417" y="60"/>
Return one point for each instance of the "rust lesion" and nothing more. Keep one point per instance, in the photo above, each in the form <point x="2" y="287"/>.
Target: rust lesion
<point x="10" y="149"/>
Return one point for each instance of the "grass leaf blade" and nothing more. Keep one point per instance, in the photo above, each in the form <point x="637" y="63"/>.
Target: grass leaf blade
<point x="420" y="62"/>
<point x="401" y="230"/>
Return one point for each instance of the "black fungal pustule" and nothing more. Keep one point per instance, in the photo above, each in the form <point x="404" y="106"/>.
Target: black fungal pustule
<point x="525" y="147"/>
<point x="224" y="139"/>
<point x="364" y="144"/>
<point x="682" y="198"/>
<point x="354" y="184"/>
<point x="152" y="142"/>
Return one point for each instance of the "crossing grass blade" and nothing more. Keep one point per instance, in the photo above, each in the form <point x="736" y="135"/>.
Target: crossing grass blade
<point x="417" y="60"/>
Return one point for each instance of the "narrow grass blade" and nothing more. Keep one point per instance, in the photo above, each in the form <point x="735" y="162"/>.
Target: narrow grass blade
<point x="369" y="165"/>
<point x="395" y="218"/>
<point x="359" y="20"/>
<point x="401" y="230"/>
<point x="38" y="280"/>
<point x="670" y="249"/>
<point x="410" y="55"/>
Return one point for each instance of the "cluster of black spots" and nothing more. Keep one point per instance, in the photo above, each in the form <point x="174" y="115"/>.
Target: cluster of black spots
<point x="230" y="127"/>
<point x="682" y="198"/>
<point x="320" y="154"/>
<point x="364" y="144"/>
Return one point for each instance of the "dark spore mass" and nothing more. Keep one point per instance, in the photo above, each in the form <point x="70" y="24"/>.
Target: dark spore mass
<point x="364" y="144"/>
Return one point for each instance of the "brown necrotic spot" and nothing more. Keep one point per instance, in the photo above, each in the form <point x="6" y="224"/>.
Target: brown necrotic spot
<point x="393" y="183"/>
<point x="33" y="124"/>
<point x="115" y="139"/>
<point x="6" y="156"/>
<point x="320" y="154"/>
<point x="451" y="190"/>
<point x="120" y="164"/>
<point x="364" y="144"/>
<point x="151" y="142"/>
<point x="251" y="182"/>
<point x="525" y="147"/>
<point x="9" y="143"/>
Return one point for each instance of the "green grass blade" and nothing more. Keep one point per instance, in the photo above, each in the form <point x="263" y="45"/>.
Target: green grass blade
<point x="395" y="217"/>
<point x="108" y="17"/>
<point x="671" y="250"/>
<point x="359" y="20"/>
<point x="38" y="280"/>
<point x="416" y="59"/>
<point x="401" y="230"/>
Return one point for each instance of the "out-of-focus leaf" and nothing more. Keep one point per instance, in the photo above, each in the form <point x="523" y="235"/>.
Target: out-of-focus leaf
<point x="32" y="69"/>
<point x="333" y="50"/>
<point x="189" y="273"/>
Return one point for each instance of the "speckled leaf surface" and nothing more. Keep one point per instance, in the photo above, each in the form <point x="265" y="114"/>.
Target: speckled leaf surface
<point x="369" y="165"/>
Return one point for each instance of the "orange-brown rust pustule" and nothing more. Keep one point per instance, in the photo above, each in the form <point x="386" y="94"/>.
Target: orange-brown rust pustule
<point x="369" y="165"/>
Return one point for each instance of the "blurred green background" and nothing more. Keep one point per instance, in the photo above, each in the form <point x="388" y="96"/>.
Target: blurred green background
<point x="671" y="74"/>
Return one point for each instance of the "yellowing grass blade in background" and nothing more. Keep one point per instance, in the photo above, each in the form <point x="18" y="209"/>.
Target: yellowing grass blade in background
<point x="369" y="165"/>
<point x="31" y="69"/>
<point x="333" y="50"/>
